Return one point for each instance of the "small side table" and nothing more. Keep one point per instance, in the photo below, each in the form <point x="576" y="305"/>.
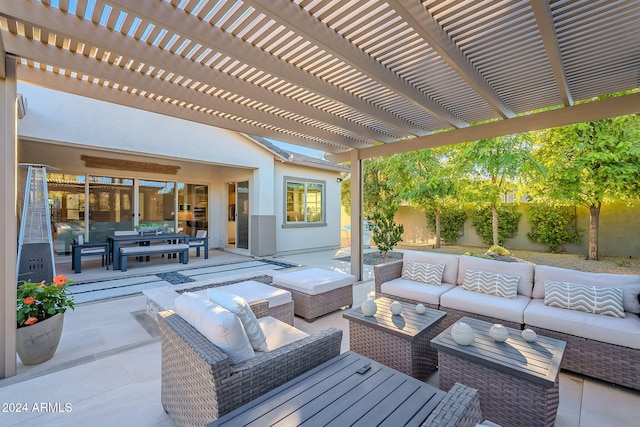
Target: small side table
<point x="400" y="342"/>
<point x="517" y="380"/>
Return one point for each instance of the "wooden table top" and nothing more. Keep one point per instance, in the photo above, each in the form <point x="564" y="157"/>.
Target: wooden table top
<point x="335" y="394"/>
<point x="537" y="361"/>
<point x="407" y="324"/>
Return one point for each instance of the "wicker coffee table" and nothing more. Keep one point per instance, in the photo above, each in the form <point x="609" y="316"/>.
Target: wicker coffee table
<point x="517" y="380"/>
<point x="400" y="342"/>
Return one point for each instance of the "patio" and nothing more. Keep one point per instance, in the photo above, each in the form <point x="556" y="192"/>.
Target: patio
<point x="107" y="368"/>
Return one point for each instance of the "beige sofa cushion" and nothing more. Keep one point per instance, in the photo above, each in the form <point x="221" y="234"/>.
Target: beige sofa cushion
<point x="416" y="291"/>
<point x="450" y="273"/>
<point x="485" y="305"/>
<point x="630" y="284"/>
<point x="613" y="330"/>
<point x="523" y="270"/>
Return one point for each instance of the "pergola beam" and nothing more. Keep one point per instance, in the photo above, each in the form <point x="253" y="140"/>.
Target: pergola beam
<point x="590" y="111"/>
<point x="542" y="12"/>
<point x="418" y="17"/>
<point x="52" y="55"/>
<point x="103" y="93"/>
<point x="201" y="32"/>
<point x="314" y="30"/>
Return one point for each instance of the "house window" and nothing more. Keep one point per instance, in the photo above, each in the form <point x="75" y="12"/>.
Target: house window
<point x="304" y="202"/>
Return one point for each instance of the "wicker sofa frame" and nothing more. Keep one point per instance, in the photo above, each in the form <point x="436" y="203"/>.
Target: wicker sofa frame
<point x="596" y="359"/>
<point x="199" y="383"/>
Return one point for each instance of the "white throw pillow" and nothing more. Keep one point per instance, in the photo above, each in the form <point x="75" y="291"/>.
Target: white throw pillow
<point x="501" y="285"/>
<point x="430" y="274"/>
<point x="238" y="306"/>
<point x="218" y="325"/>
<point x="588" y="299"/>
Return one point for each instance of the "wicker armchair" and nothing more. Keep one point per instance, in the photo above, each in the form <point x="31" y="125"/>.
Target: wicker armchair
<point x="199" y="384"/>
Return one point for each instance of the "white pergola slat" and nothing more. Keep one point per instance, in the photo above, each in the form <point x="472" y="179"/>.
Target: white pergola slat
<point x="334" y="75"/>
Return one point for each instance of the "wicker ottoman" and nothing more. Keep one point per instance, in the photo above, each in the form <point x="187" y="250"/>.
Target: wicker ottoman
<point x="316" y="291"/>
<point x="280" y="300"/>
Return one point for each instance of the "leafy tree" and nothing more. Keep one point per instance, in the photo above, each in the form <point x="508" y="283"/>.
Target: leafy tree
<point x="552" y="226"/>
<point x="490" y="168"/>
<point x="451" y="219"/>
<point x="589" y="164"/>
<point x="481" y="219"/>
<point x="423" y="179"/>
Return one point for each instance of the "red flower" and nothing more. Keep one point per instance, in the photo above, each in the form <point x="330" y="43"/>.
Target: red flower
<point x="42" y="285"/>
<point x="30" y="321"/>
<point x="59" y="280"/>
<point x="29" y="300"/>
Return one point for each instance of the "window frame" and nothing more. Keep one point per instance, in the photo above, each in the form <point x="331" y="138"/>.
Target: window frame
<point x="304" y="181"/>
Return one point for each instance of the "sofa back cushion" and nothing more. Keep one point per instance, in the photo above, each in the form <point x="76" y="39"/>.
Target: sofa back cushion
<point x="430" y="274"/>
<point x="588" y="299"/>
<point x="522" y="270"/>
<point x="498" y="284"/>
<point x="630" y="284"/>
<point x="450" y="273"/>
<point x="220" y="326"/>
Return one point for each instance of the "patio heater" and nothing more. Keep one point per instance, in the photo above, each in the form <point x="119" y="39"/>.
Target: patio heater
<point x="35" y="241"/>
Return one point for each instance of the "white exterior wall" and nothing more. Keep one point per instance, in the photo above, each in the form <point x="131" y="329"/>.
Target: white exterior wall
<point x="301" y="239"/>
<point x="60" y="127"/>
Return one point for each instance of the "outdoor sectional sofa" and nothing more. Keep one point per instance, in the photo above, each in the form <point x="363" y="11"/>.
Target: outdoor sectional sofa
<point x="598" y="345"/>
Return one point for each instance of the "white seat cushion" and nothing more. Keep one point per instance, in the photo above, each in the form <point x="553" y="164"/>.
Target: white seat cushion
<point x="485" y="305"/>
<point x="415" y="290"/>
<point x="253" y="291"/>
<point x="313" y="281"/>
<point x="613" y="330"/>
<point x="220" y="326"/>
<point x="279" y="333"/>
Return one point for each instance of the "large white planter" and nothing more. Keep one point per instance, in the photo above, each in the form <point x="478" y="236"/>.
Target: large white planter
<point x="38" y="343"/>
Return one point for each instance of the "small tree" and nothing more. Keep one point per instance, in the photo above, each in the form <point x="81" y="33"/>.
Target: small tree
<point x="552" y="226"/>
<point x="384" y="231"/>
<point x="451" y="220"/>
<point x="482" y="221"/>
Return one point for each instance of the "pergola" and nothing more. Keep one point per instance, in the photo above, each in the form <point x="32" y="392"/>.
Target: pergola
<point x="354" y="78"/>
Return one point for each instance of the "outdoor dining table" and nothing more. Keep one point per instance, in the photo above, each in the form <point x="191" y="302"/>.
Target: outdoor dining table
<point x="116" y="241"/>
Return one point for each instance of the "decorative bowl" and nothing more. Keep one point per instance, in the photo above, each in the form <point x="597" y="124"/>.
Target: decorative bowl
<point x="396" y="308"/>
<point x="462" y="333"/>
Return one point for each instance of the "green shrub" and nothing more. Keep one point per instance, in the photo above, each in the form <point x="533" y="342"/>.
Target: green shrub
<point x="498" y="251"/>
<point x="552" y="226"/>
<point x="451" y="221"/>
<point x="508" y="218"/>
<point x="384" y="231"/>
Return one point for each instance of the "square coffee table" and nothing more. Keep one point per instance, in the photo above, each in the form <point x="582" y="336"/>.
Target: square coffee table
<point x="400" y="342"/>
<point x="517" y="380"/>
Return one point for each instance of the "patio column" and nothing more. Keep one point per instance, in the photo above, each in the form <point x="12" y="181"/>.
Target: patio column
<point x="8" y="215"/>
<point x="356" y="215"/>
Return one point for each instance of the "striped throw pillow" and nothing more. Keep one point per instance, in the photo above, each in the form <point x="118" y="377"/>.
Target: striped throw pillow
<point x="430" y="274"/>
<point x="588" y="299"/>
<point x="497" y="284"/>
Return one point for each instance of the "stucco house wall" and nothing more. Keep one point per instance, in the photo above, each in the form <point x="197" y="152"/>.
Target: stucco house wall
<point x="59" y="128"/>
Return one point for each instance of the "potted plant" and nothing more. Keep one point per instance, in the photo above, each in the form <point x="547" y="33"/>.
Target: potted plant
<point x="40" y="317"/>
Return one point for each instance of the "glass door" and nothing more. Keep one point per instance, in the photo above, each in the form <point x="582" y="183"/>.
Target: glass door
<point x="66" y="202"/>
<point x="157" y="204"/>
<point x="242" y="215"/>
<point x="110" y="206"/>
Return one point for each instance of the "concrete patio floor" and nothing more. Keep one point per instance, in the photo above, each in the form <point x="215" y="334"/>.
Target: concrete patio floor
<point x="107" y="367"/>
